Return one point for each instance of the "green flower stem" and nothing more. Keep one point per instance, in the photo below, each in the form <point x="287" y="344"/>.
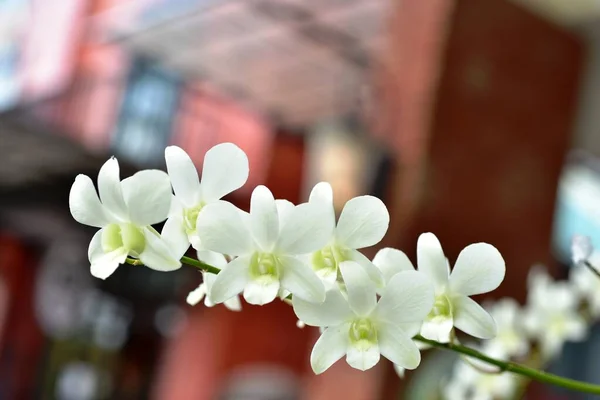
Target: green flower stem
<point x="504" y="366"/>
<point x="515" y="368"/>
<point x="184" y="260"/>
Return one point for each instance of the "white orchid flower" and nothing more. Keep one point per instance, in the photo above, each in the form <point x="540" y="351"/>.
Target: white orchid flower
<point x="511" y="338"/>
<point x="479" y="269"/>
<point x="468" y="383"/>
<point x="266" y="242"/>
<point x="125" y="212"/>
<point x="203" y="290"/>
<point x="363" y="223"/>
<point x="363" y="329"/>
<point x="225" y="169"/>
<point x="551" y="316"/>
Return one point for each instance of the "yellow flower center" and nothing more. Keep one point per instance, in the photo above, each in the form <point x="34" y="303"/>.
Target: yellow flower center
<point x="126" y="235"/>
<point x="190" y="216"/>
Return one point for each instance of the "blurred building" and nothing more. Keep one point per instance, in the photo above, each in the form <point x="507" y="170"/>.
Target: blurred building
<point x="458" y="113"/>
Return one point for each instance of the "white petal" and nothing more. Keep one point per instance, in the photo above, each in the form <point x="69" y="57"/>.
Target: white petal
<point x="363" y="222"/>
<point x="408" y="297"/>
<point x="157" y="254"/>
<point x="284" y="208"/>
<point x="473" y="319"/>
<point x="102" y="267"/>
<point x="333" y="311"/>
<point x="95" y="248"/>
<point x="306" y="229"/>
<point x="397" y="346"/>
<point x="196" y="295"/>
<point x="222" y="229"/>
<point x="479" y="269"/>
<point x="431" y="259"/>
<point x="322" y="192"/>
<point x="183" y="175"/>
<point x="212" y="258"/>
<point x="231" y="280"/>
<point x="391" y="261"/>
<point x="148" y="196"/>
<point x="264" y="220"/>
<point x="261" y="291"/>
<point x="84" y="203"/>
<point x="363" y="357"/>
<point x="581" y="248"/>
<point x="109" y="187"/>
<point x="399" y="371"/>
<point x="362" y="296"/>
<point x="437" y="329"/>
<point x="233" y="304"/>
<point x="331" y="346"/>
<point x="173" y="233"/>
<point x="301" y="280"/>
<point x="374" y="273"/>
<point x="225" y="169"/>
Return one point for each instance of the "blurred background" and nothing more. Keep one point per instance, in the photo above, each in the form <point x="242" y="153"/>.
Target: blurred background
<point x="474" y="119"/>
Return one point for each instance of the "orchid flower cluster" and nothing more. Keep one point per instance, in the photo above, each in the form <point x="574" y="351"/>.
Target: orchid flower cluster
<point x="556" y="312"/>
<point x="300" y="254"/>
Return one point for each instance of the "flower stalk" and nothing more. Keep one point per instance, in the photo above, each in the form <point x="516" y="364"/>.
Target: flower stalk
<point x="504" y="366"/>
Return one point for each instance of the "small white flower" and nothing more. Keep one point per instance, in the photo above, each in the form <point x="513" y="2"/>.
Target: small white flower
<point x="551" y="316"/>
<point x="266" y="242"/>
<point x="581" y="249"/>
<point x="125" y="212"/>
<point x="479" y="269"/>
<point x="467" y="383"/>
<point x="225" y="169"/>
<point x="363" y="329"/>
<point x="363" y="223"/>
<point x="511" y="339"/>
<point x="203" y="290"/>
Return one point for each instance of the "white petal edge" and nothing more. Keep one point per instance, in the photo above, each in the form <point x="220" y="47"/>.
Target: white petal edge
<point x="104" y="266"/>
<point x="322" y="192"/>
<point x="398" y="347"/>
<point x="391" y="261"/>
<point x="231" y="280"/>
<point x="284" y="208"/>
<point x="333" y="311"/>
<point x="407" y="298"/>
<point x="196" y="295"/>
<point x="473" y="319"/>
<point x="479" y="269"/>
<point x="329" y="348"/>
<point x="85" y="205"/>
<point x="225" y="169"/>
<point x="221" y="228"/>
<point x="260" y="291"/>
<point x="183" y="176"/>
<point x="148" y="196"/>
<point x="157" y="255"/>
<point x="109" y="188"/>
<point x="301" y="280"/>
<point x="361" y="357"/>
<point x="362" y="296"/>
<point x="173" y="233"/>
<point x="438" y="329"/>
<point x="264" y="220"/>
<point x="374" y="273"/>
<point x="431" y="259"/>
<point x="363" y="222"/>
<point x="306" y="229"/>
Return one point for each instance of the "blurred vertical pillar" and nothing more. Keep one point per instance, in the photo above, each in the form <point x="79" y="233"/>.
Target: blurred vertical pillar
<point x="482" y="133"/>
<point x="478" y="99"/>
